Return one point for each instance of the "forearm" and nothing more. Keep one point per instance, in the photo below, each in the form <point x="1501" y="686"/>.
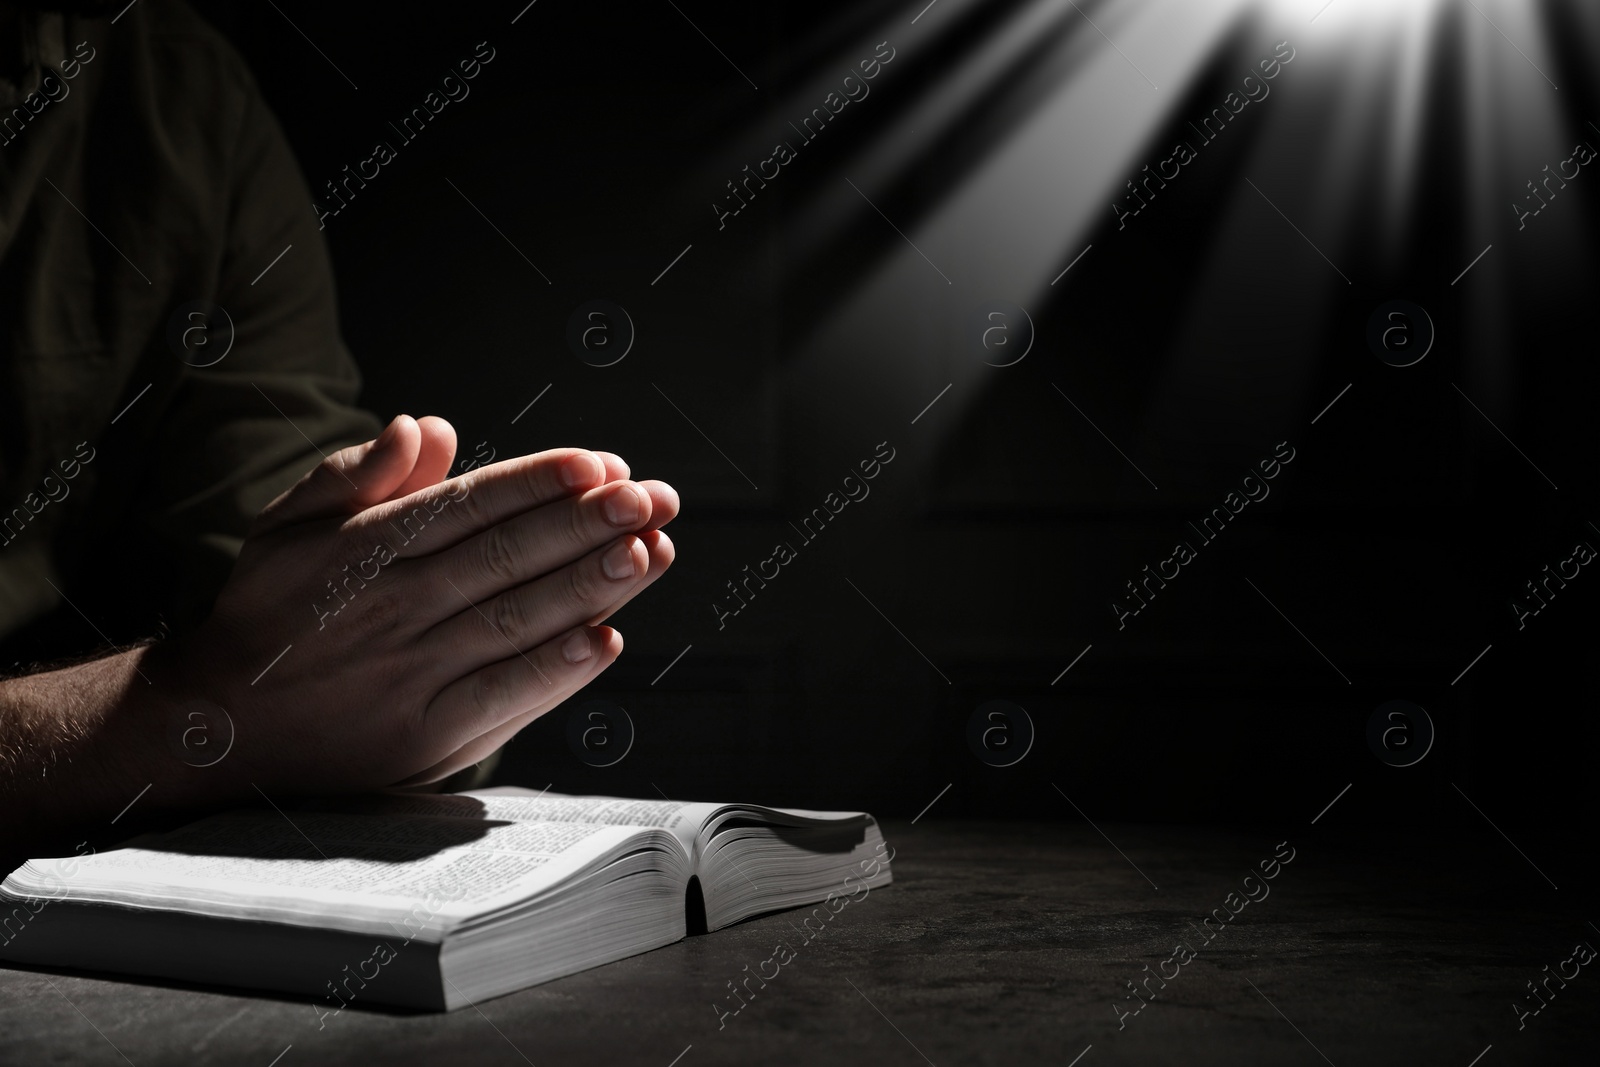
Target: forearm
<point x="76" y="746"/>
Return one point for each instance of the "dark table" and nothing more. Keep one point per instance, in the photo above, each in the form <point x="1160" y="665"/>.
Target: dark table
<point x="997" y="944"/>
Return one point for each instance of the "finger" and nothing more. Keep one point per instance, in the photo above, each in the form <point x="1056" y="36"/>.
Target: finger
<point x="662" y="552"/>
<point x="489" y="706"/>
<point x="661" y="556"/>
<point x="663" y="503"/>
<point x="438" y="451"/>
<point x="350" y="480"/>
<point x="616" y="467"/>
<point x="534" y="543"/>
<point x="530" y="614"/>
<point x="445" y="514"/>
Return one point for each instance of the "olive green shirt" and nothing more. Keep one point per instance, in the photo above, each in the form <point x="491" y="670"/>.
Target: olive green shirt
<point x="142" y="178"/>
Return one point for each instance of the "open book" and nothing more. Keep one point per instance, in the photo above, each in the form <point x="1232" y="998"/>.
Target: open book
<point x="428" y="901"/>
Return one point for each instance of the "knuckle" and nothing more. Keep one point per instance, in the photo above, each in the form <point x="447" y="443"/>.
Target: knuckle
<point x="576" y="527"/>
<point x="498" y="554"/>
<point x="547" y="666"/>
<point x="534" y="481"/>
<point x="584" y="582"/>
<point x="338" y="465"/>
<point x="461" y="506"/>
<point x="509" y="615"/>
<point x="491" y="694"/>
<point x="379" y="612"/>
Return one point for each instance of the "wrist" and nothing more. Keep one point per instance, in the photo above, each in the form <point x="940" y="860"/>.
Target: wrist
<point x="166" y="739"/>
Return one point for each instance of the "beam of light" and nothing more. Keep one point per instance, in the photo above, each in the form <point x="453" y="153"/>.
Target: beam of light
<point x="1366" y="93"/>
<point x="1340" y="147"/>
<point x="1349" y="16"/>
<point x="1003" y="231"/>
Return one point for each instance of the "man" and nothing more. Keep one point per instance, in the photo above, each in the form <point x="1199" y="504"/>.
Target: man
<point x="170" y="369"/>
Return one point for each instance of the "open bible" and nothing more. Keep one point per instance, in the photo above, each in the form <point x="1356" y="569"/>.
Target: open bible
<point x="430" y="902"/>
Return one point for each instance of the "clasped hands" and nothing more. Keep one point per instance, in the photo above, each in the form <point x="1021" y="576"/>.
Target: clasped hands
<point x="465" y="608"/>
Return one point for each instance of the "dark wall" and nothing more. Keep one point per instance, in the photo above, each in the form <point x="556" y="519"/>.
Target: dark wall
<point x="991" y="549"/>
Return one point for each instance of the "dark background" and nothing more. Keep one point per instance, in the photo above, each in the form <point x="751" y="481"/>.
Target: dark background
<point x="1007" y="522"/>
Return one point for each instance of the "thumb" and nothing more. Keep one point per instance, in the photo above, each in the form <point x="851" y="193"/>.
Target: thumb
<point x="350" y="480"/>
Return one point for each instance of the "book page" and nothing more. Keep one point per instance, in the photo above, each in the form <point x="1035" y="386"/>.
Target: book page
<point x="683" y="818"/>
<point x="515" y="804"/>
<point x="692" y="822"/>
<point x="389" y="873"/>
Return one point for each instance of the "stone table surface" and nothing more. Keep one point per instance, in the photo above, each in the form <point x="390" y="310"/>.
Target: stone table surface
<point x="998" y="943"/>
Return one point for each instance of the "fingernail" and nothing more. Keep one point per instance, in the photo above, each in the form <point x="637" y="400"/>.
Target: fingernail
<point x="622" y="506"/>
<point x="618" y="562"/>
<point x="583" y="469"/>
<point x="578" y="647"/>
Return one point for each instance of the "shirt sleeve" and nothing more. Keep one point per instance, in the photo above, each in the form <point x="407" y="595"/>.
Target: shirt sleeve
<point x="244" y="427"/>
